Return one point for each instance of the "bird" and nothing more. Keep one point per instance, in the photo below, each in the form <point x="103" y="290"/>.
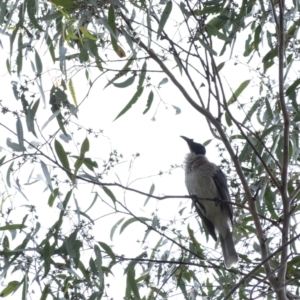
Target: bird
<point x="204" y="179"/>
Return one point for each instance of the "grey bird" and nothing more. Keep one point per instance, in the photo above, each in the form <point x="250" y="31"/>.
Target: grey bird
<point x="204" y="179"/>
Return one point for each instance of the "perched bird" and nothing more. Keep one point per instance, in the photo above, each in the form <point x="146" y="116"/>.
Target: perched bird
<point x="204" y="179"/>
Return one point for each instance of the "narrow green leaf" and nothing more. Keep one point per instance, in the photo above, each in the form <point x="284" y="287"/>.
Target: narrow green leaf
<point x="270" y="55"/>
<point x="293" y="97"/>
<point x="51" y="48"/>
<point x="64" y="3"/>
<point x="8" y="66"/>
<point x="9" y="170"/>
<point x="178" y="64"/>
<point x="163" y="81"/>
<point x="133" y="263"/>
<point x="108" y="250"/>
<point x="238" y="91"/>
<point x="13" y="227"/>
<point x="77" y="166"/>
<point x="2" y="11"/>
<point x="194" y="241"/>
<point x="132" y="283"/>
<point x="46" y="291"/>
<point x="220" y="66"/>
<point x="87" y="34"/>
<point x="245" y="153"/>
<point x="47" y="175"/>
<point x="112" y="23"/>
<point x="98" y="263"/>
<point x="132" y="220"/>
<point x="257" y="37"/>
<point x="251" y="111"/>
<point x="113" y="229"/>
<point x="210" y="10"/>
<point x="228" y="119"/>
<point x="164" y="18"/>
<point x="47" y="252"/>
<point x="112" y="19"/>
<point x="61" y="155"/>
<point x="149" y="28"/>
<point x="2" y="160"/>
<point x="149" y="102"/>
<point x="5" y="243"/>
<point x="53" y="196"/>
<point x="212" y="30"/>
<point x="142" y="75"/>
<point x="20" y="134"/>
<point x="84" y="272"/>
<point x="123" y="72"/>
<point x="177" y="109"/>
<point x="20" y="54"/>
<point x="292" y="87"/>
<point x="90" y="164"/>
<point x="99" y="64"/>
<point x="31" y="10"/>
<point x="10" y="288"/>
<point x="129" y="81"/>
<point x="72" y="91"/>
<point x="269" y="110"/>
<point x="85" y="215"/>
<point x="93" y="202"/>
<point x="182" y="286"/>
<point x="35" y="107"/>
<point x="70" y="244"/>
<point x="152" y="188"/>
<point x="134" y="99"/>
<point x="110" y="194"/>
<point x="154" y="250"/>
<point x="38" y="63"/>
<point x="158" y="291"/>
<point x="207" y="47"/>
<point x="53" y="116"/>
<point x="95" y="296"/>
<point x="30" y="116"/>
<point x="14" y="146"/>
<point x="85" y="147"/>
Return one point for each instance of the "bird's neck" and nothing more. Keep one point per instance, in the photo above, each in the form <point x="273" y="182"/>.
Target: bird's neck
<point x="193" y="160"/>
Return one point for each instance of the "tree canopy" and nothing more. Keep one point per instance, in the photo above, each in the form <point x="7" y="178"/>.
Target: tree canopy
<point x="235" y="63"/>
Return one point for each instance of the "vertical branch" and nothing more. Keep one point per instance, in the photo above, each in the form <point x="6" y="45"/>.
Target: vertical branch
<point x="286" y="118"/>
<point x="285" y="159"/>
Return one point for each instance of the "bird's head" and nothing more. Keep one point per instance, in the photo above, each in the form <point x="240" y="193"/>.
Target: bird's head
<point x="194" y="147"/>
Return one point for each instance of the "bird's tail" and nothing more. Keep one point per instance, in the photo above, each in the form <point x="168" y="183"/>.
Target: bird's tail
<point x="229" y="253"/>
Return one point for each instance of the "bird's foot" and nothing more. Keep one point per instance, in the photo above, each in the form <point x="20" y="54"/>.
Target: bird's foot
<point x="217" y="201"/>
<point x="194" y="198"/>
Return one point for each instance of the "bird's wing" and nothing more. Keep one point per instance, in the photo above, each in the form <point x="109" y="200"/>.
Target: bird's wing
<point x="208" y="224"/>
<point x="222" y="187"/>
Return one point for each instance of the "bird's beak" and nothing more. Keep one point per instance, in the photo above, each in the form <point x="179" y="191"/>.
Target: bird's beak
<point x="186" y="139"/>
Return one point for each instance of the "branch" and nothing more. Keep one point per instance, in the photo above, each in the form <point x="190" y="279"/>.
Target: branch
<point x="285" y="158"/>
<point x="156" y="261"/>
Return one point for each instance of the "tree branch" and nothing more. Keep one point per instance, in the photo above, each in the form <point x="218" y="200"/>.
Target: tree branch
<point x="285" y="158"/>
